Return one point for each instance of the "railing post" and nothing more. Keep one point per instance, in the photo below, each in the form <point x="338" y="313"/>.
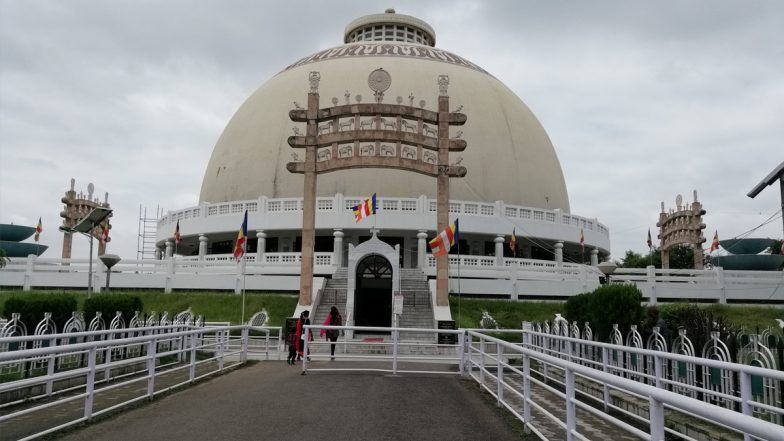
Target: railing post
<point x="571" y="414"/>
<point x="50" y="367"/>
<point x="244" y="352"/>
<point x="152" y="349"/>
<point x="745" y="397"/>
<point x="192" y="369"/>
<point x="266" y="346"/>
<point x="526" y="392"/>
<point x="305" y="350"/>
<point x="461" y="352"/>
<point x="656" y="415"/>
<point x="499" y="373"/>
<point x="605" y="388"/>
<point x="469" y="353"/>
<point x="720" y="283"/>
<point x="90" y="383"/>
<point x="657" y="368"/>
<point x="481" y="361"/>
<point x="29" y="268"/>
<point x="222" y="337"/>
<point x="651" y="276"/>
<point x="169" y="279"/>
<point x="395" y="339"/>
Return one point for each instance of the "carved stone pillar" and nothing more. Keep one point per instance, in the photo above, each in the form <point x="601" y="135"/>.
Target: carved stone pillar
<point x="595" y="257"/>
<point x="499" y="249"/>
<point x="337" y="248"/>
<point x="261" y="246"/>
<point x="309" y="195"/>
<point x="202" y="246"/>
<point x="422" y="249"/>
<point x="559" y="253"/>
<point x="169" y="248"/>
<point x="442" y="182"/>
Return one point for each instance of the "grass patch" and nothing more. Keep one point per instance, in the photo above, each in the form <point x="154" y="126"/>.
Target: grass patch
<point x="214" y="306"/>
<point x="752" y="318"/>
<point x="508" y="313"/>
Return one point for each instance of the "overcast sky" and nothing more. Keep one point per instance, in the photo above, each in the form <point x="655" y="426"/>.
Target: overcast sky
<point x="641" y="100"/>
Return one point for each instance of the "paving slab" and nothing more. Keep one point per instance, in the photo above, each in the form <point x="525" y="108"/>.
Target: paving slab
<point x="271" y="400"/>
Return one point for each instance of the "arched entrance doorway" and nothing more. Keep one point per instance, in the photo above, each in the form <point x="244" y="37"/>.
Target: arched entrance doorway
<point x="373" y="292"/>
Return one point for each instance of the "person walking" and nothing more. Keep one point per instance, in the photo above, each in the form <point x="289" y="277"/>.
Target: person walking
<point x="333" y="319"/>
<point x="304" y="319"/>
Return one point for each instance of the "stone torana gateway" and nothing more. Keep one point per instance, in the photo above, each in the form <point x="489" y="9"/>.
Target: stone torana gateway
<point x="401" y="118"/>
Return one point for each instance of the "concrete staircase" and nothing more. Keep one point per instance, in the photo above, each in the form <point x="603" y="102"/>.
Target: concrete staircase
<point x="417" y="311"/>
<point x="417" y="306"/>
<point x="334" y="293"/>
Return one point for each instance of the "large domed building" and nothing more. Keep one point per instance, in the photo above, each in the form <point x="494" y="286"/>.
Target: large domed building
<point x="513" y="181"/>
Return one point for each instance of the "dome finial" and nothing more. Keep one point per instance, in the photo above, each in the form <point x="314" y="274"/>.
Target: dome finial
<point x="389" y="11"/>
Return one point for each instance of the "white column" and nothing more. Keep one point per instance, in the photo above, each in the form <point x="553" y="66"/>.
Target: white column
<point x="595" y="257"/>
<point x="559" y="253"/>
<point x="499" y="249"/>
<point x="158" y="252"/>
<point x="337" y="248"/>
<point x="261" y="246"/>
<point x="169" y="248"/>
<point x="202" y="246"/>
<point x="421" y="250"/>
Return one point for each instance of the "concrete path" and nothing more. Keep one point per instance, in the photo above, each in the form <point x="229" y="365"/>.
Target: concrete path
<point x="271" y="400"/>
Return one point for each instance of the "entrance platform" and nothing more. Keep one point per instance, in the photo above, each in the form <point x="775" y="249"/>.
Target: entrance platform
<point x="271" y="400"/>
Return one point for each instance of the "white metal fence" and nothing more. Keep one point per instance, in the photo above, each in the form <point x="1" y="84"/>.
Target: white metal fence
<point x="145" y="361"/>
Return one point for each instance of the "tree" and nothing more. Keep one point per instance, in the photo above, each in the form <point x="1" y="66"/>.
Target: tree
<point x="776" y="247"/>
<point x="681" y="257"/>
<point x="3" y="258"/>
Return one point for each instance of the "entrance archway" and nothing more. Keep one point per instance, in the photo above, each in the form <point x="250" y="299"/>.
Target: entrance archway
<point x="373" y="292"/>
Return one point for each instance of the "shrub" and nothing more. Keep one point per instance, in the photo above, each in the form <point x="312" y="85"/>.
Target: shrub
<point x="698" y="322"/>
<point x="607" y="305"/>
<point x="33" y="307"/>
<point x="109" y="304"/>
<point x="577" y="309"/>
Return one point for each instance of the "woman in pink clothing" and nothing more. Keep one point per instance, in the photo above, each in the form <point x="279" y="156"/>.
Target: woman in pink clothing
<point x="333" y="319"/>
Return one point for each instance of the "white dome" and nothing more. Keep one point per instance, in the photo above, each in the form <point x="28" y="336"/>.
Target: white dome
<point x="509" y="155"/>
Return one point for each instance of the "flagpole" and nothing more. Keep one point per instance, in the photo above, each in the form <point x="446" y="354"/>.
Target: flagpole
<point x="459" y="293"/>
<point x="244" y="262"/>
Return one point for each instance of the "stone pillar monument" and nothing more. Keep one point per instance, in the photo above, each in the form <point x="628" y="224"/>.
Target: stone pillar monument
<point x="559" y="253"/>
<point x="261" y="246"/>
<point x="422" y="249"/>
<point x="337" y="248"/>
<point x="169" y="249"/>
<point x="682" y="226"/>
<point x="499" y="249"/>
<point x="202" y="246"/>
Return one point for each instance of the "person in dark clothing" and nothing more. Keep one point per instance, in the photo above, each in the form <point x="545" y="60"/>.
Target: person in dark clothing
<point x="304" y="319"/>
<point x="333" y="319"/>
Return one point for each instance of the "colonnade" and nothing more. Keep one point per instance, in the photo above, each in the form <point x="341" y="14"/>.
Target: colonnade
<point x="338" y="238"/>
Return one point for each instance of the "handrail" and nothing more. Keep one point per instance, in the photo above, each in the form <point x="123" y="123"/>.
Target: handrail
<point x="741" y="422"/>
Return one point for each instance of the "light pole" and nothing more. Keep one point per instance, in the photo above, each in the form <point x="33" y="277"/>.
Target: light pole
<point x="607" y="268"/>
<point x="109" y="260"/>
<point x="86" y="226"/>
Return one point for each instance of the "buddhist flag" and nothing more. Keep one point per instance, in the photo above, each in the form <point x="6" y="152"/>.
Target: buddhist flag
<point x="582" y="239"/>
<point x="365" y="208"/>
<point x="715" y="243"/>
<point x="177" y="237"/>
<point x="442" y="243"/>
<point x="513" y="242"/>
<point x="650" y="241"/>
<point x="38" y="230"/>
<point x="242" y="237"/>
<point x="105" y="233"/>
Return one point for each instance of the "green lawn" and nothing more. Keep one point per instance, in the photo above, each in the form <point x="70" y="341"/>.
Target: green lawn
<point x="214" y="306"/>
<point x="510" y="314"/>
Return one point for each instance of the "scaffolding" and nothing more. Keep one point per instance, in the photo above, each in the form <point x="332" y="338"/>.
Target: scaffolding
<point x="145" y="240"/>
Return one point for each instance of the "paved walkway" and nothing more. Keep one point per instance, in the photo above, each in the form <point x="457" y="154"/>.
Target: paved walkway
<point x="271" y="400"/>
